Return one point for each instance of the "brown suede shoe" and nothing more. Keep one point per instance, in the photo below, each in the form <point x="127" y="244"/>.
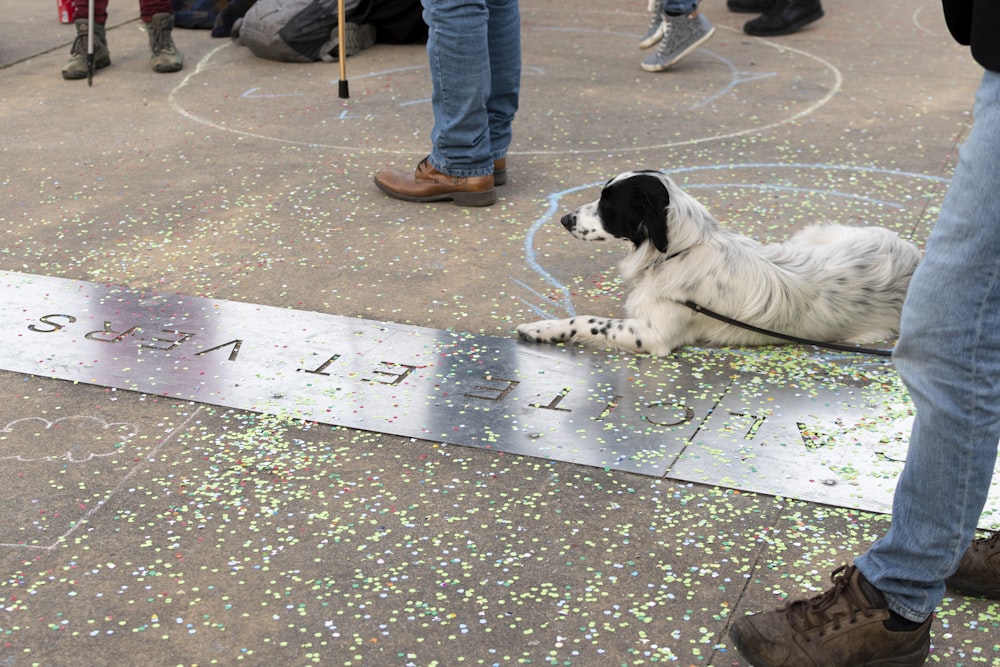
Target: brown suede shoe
<point x="843" y="627"/>
<point x="978" y="572"/>
<point x="427" y="184"/>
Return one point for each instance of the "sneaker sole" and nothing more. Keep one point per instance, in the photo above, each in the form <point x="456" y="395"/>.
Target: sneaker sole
<point x="659" y="67"/>
<point x="787" y="30"/>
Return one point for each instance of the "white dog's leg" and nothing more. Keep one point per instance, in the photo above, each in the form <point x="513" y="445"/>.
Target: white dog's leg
<point x="628" y="335"/>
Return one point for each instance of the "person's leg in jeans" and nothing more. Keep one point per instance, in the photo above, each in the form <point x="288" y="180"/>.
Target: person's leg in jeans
<point x="504" y="34"/>
<point x="474" y="53"/>
<point x="949" y="356"/>
<point x="679" y="7"/>
<point x="879" y="610"/>
<point x="459" y="58"/>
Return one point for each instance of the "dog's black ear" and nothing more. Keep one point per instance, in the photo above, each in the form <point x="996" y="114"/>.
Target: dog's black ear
<point x="633" y="206"/>
<point x="649" y="204"/>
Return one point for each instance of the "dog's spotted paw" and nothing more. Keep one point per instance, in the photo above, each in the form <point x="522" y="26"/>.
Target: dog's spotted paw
<point x="544" y="331"/>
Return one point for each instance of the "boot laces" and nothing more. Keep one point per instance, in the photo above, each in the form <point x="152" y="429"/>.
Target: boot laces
<point x="830" y="607"/>
<point x="79" y="47"/>
<point x="162" y="41"/>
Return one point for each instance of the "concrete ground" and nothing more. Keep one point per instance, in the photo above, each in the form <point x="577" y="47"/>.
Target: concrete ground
<point x="220" y="536"/>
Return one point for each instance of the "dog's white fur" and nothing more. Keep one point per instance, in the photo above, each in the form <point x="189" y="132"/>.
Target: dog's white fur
<point x="827" y="283"/>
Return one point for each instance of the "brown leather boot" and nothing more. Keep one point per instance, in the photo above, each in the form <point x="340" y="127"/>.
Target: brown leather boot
<point x="978" y="572"/>
<point x="500" y="171"/>
<point x="427" y="184"/>
<point x="844" y="627"/>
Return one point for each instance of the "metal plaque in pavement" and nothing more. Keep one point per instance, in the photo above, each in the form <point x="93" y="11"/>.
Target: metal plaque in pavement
<point x="802" y="424"/>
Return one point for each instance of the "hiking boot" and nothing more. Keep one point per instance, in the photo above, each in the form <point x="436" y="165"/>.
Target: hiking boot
<point x="427" y="184"/>
<point x="656" y="30"/>
<point x="844" y="627"/>
<point x="784" y="17"/>
<point x="749" y="6"/>
<point x="978" y="572"/>
<point x="76" y="66"/>
<point x="683" y="35"/>
<point x="165" y="57"/>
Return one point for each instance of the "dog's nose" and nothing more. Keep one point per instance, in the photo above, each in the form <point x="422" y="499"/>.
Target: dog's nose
<point x="569" y="221"/>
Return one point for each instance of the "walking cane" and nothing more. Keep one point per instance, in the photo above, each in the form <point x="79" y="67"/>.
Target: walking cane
<point x="90" y="43"/>
<point x="343" y="91"/>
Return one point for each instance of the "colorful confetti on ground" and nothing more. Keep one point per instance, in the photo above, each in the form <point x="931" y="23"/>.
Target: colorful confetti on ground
<point x="141" y="530"/>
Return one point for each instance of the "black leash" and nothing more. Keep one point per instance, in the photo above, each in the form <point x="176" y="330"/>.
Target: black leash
<point x="801" y="341"/>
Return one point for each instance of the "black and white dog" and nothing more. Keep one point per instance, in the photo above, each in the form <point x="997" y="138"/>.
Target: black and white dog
<point x="827" y="283"/>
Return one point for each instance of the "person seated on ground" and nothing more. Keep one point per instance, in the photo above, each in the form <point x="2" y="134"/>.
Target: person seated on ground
<point x="306" y="30"/>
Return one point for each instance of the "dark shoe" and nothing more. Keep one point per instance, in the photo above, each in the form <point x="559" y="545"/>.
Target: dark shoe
<point x="427" y="184"/>
<point x="226" y="19"/>
<point x="978" y="572"/>
<point x="500" y="171"/>
<point x="843" y="627"/>
<point x="76" y="66"/>
<point x="749" y="6"/>
<point x="784" y="17"/>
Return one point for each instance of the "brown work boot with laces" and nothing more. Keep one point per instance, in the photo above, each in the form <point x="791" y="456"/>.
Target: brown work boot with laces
<point x="978" y="572"/>
<point x="427" y="184"/>
<point x="844" y="627"/>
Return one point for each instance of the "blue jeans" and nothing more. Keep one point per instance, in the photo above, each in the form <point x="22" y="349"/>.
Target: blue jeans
<point x="948" y="355"/>
<point x="680" y="6"/>
<point x="474" y="50"/>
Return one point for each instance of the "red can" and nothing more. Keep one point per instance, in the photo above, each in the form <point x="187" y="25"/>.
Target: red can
<point x="65" y="9"/>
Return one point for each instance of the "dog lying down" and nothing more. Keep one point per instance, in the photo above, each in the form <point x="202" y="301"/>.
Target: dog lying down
<point x="828" y="283"/>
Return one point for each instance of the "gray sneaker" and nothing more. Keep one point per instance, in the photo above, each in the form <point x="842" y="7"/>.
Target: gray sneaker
<point x="684" y="34"/>
<point x="656" y="30"/>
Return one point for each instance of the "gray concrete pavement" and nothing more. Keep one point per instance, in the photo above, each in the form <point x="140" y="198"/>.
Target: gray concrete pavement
<point x="190" y="534"/>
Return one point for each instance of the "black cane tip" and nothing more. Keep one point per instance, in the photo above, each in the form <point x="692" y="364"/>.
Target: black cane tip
<point x="344" y="93"/>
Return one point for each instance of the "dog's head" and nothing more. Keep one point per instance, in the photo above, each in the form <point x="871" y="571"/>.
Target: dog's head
<point x="633" y="205"/>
